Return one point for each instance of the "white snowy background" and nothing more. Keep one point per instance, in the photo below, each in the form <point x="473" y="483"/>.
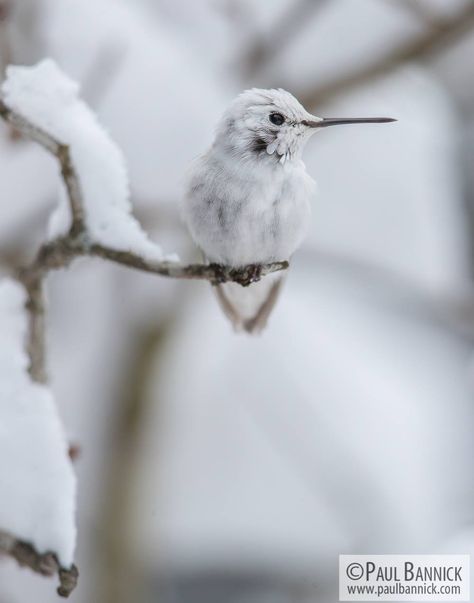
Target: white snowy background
<point x="220" y="468"/>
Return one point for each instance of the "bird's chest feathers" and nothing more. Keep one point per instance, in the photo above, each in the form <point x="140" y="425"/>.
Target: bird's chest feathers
<point x="260" y="219"/>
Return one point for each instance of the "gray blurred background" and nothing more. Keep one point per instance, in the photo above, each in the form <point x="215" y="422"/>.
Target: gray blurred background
<point x="217" y="468"/>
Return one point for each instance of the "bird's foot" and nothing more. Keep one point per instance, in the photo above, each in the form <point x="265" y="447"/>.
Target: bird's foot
<point x="249" y="274"/>
<point x="220" y="274"/>
<point x="244" y="276"/>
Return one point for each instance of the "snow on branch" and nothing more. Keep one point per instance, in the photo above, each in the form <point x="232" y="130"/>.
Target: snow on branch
<point x="37" y="483"/>
<point x="93" y="168"/>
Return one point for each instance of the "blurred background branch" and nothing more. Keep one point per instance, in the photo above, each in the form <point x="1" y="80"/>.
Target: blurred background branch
<point x="422" y="11"/>
<point x="5" y="49"/>
<point x="448" y="30"/>
<point x="265" y="49"/>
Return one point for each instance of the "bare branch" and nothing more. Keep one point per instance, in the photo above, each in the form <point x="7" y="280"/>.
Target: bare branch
<point x="215" y="273"/>
<point x="62" y="251"/>
<point x="46" y="564"/>
<point x="73" y="188"/>
<point x="5" y="46"/>
<point x="35" y="306"/>
<point x="426" y="45"/>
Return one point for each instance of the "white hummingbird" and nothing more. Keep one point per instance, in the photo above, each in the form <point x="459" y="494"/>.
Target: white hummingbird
<point x="248" y="197"/>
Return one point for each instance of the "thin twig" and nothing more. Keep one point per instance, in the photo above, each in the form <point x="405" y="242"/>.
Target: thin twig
<point x="62" y="251"/>
<point x="35" y="306"/>
<point x="448" y="31"/>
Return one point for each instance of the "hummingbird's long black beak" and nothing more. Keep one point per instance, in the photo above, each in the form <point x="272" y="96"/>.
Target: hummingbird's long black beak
<point x="339" y="121"/>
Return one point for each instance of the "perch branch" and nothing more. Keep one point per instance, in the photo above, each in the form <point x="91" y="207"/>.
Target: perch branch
<point x="448" y="30"/>
<point x="214" y="273"/>
<point x="64" y="250"/>
<point x="46" y="564"/>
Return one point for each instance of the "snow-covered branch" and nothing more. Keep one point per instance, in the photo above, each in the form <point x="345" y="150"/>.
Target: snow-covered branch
<point x="37" y="483"/>
<point x="46" y="564"/>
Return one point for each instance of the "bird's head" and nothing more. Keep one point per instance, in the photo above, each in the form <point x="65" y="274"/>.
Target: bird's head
<point x="272" y="125"/>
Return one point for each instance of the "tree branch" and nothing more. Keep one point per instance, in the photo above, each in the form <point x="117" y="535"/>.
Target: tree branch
<point x="35" y="306"/>
<point x="214" y="273"/>
<point x="426" y="45"/>
<point x="46" y="564"/>
<point x="64" y="250"/>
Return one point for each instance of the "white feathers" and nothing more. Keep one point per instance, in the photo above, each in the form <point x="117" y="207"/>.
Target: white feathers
<point x="272" y="147"/>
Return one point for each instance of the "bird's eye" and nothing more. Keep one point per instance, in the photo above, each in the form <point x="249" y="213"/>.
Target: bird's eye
<point x="277" y="119"/>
